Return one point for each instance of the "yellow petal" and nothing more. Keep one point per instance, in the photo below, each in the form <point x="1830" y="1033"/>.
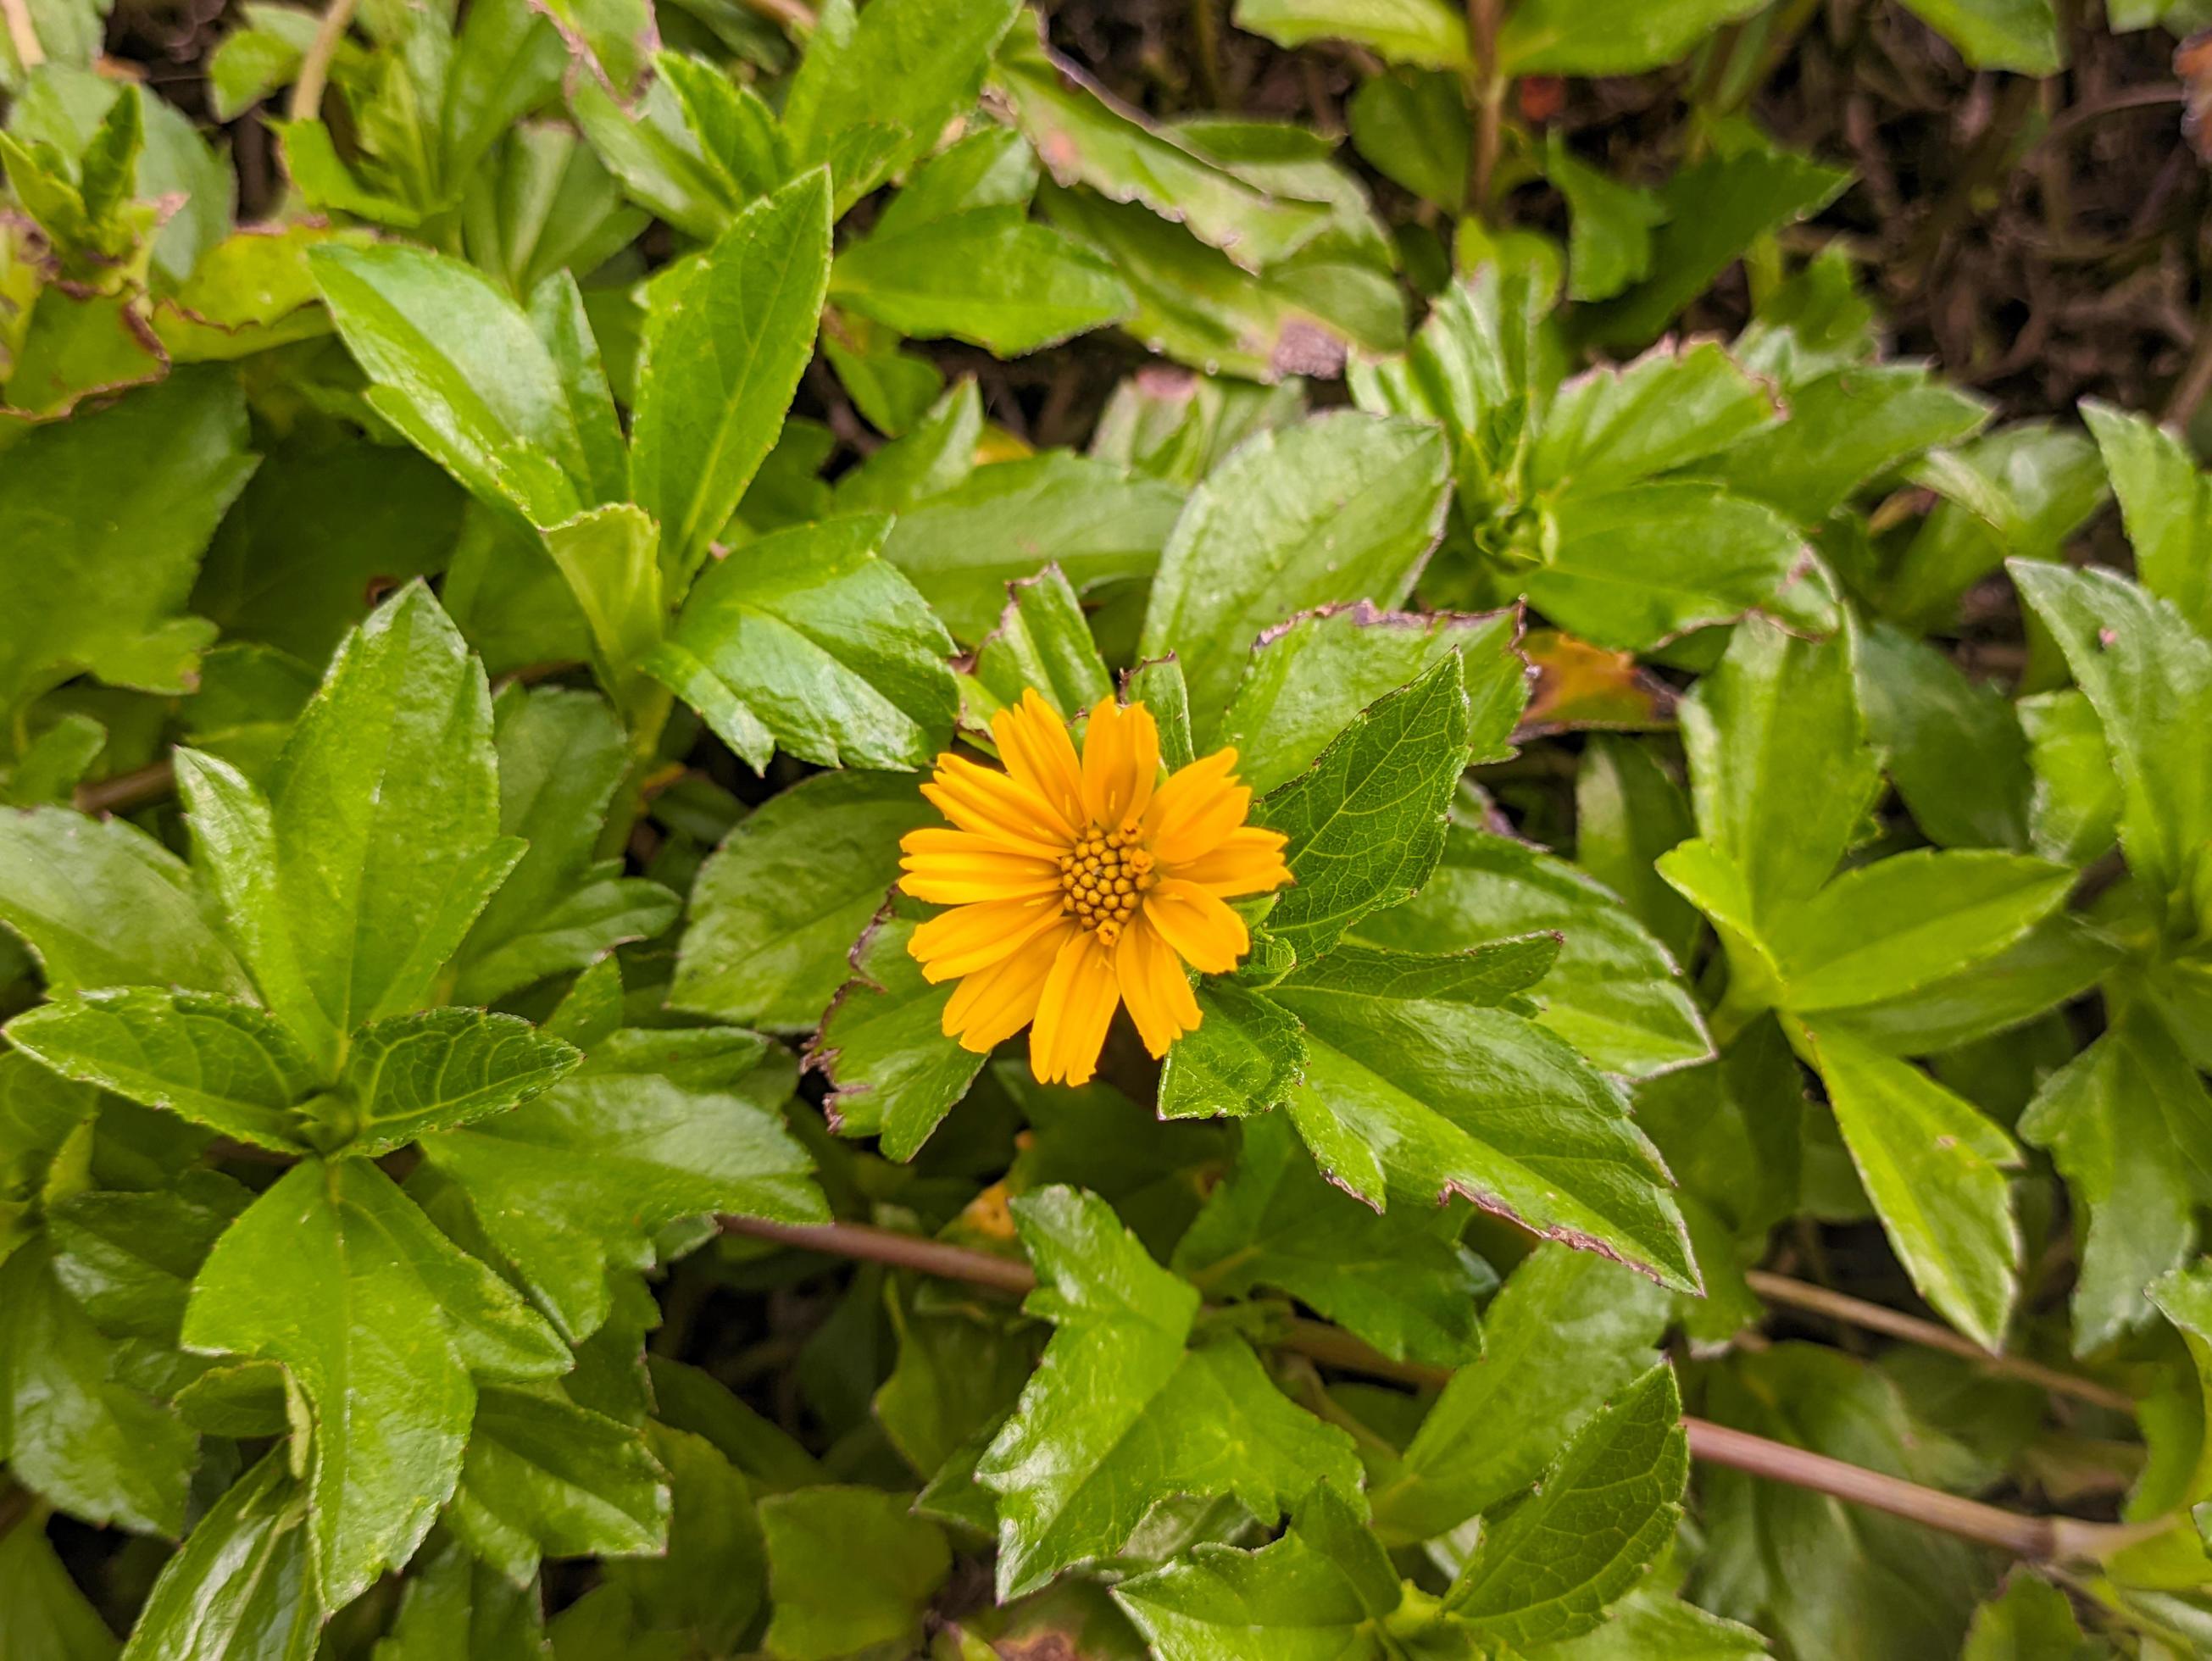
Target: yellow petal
<point x="1249" y="861"/>
<point x="1150" y="978"/>
<point x="1039" y="755"/>
<point x="1074" y="1012"/>
<point x="970" y="938"/>
<point x="1120" y="762"/>
<point x="988" y="1008"/>
<point x="991" y="804"/>
<point x="1196" y="809"/>
<point x="959" y="868"/>
<point x="1209" y="936"/>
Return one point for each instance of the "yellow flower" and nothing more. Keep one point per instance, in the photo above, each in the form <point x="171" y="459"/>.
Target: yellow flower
<point x="1080" y="884"/>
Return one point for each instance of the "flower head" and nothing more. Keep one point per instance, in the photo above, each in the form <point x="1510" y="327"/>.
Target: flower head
<point x="1079" y="883"/>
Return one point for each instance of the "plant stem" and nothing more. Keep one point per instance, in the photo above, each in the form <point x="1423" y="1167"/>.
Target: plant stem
<point x="125" y="791"/>
<point x="306" y="101"/>
<point x="1486" y="97"/>
<point x="1929" y="1334"/>
<point x="2038" y="1538"/>
<point x="22" y="34"/>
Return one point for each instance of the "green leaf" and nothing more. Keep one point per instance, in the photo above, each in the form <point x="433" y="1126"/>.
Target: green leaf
<point x="1934" y="1168"/>
<point x="1566" y="1333"/>
<point x="1398" y="1279"/>
<point x="101" y="903"/>
<point x="48" y="1618"/>
<point x="1612" y="992"/>
<point x="930" y="455"/>
<point x="1845" y="430"/>
<point x="2020" y="491"/>
<point x="1628" y="812"/>
<point x="1414" y="130"/>
<point x="1245" y="1055"/>
<point x="378" y="1320"/>
<point x="1411" y="1092"/>
<point x="112" y="511"/>
<point x="1608" y="227"/>
<point x="454" y="364"/>
<point x="1779" y="767"/>
<point x="1005" y="521"/>
<point x="1606" y="37"/>
<point x="1953" y="746"/>
<point x="1636" y="566"/>
<point x="2129" y="1124"/>
<point x="2149" y="677"/>
<point x="1339" y="508"/>
<point x="777" y="906"/>
<point x="562" y="756"/>
<point x="243" y="1587"/>
<point x="989" y="275"/>
<point x="1898" y="925"/>
<point x="849" y="1569"/>
<point x="1548" y="1566"/>
<point x="1320" y="1593"/>
<point x="1426" y="34"/>
<point x="611" y="560"/>
<point x="585" y="1178"/>
<point x="1366" y="822"/>
<point x="545" y="1477"/>
<point x="876" y="89"/>
<point x="69" y="1429"/>
<point x="703" y="1596"/>
<point x="1083" y="136"/>
<point x="992" y="166"/>
<point x="2073" y="810"/>
<point x="1827" y="1578"/>
<point x="893" y="1071"/>
<point x="2031" y="1620"/>
<point x="958" y="1374"/>
<point x="319" y="529"/>
<point x="1715" y="209"/>
<point x="1044" y="641"/>
<point x="2166" y="504"/>
<point x="412" y="1075"/>
<point x="1119" y="1415"/>
<point x="1610" y="428"/>
<point x="807" y="640"/>
<point x="220" y="1063"/>
<point x="351" y="887"/>
<point x="1197" y="304"/>
<point x="1310" y="676"/>
<point x="128" y="1257"/>
<point x="725" y="341"/>
<point x="456" y="1608"/>
<point x="2022" y="35"/>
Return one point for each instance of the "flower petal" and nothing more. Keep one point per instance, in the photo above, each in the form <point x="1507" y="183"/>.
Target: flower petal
<point x="988" y="1008"/>
<point x="990" y="803"/>
<point x="971" y="938"/>
<point x="1196" y="809"/>
<point x="1073" y="1014"/>
<point x="1152" y="981"/>
<point x="1033" y="742"/>
<point x="1120" y="762"/>
<point x="1248" y="861"/>
<point x="1198" y="925"/>
<point x="959" y="868"/>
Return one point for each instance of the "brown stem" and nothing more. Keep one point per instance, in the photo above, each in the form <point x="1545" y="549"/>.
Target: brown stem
<point x="306" y="101"/>
<point x="125" y="791"/>
<point x="1929" y="1334"/>
<point x="1485" y="95"/>
<point x="791" y="14"/>
<point x="22" y="34"/>
<point x="2039" y="1538"/>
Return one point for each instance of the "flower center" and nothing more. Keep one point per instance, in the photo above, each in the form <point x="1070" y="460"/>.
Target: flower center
<point x="1103" y="878"/>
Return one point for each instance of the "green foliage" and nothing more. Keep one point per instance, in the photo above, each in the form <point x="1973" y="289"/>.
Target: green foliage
<point x="483" y="1170"/>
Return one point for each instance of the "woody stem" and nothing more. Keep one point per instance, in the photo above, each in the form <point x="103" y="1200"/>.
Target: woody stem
<point x="2037" y="1538"/>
